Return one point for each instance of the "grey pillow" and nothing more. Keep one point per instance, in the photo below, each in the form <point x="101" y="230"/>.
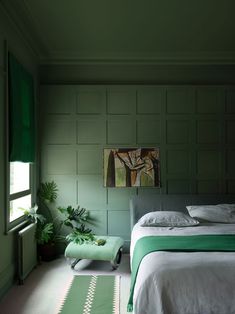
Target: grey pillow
<point x="167" y="219"/>
<point x="223" y="213"/>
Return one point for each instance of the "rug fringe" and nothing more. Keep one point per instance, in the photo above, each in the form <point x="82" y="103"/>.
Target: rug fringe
<point x="65" y="292"/>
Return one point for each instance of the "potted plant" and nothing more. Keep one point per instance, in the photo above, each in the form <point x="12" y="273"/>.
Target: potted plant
<point x="49" y="230"/>
<point x="45" y="240"/>
<point x="46" y="231"/>
<point x="76" y="220"/>
<point x="44" y="234"/>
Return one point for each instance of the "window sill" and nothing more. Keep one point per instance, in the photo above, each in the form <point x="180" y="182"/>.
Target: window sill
<point x="17" y="227"/>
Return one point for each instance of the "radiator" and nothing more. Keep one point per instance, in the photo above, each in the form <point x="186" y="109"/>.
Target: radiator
<point x="27" y="251"/>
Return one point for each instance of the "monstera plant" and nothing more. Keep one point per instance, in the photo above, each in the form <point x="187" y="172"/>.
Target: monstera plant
<point x="77" y="219"/>
<point x="51" y="227"/>
<point x="48" y="192"/>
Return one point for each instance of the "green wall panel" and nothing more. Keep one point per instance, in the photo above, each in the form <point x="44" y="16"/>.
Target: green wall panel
<point x="150" y="101"/>
<point x="209" y="164"/>
<point x="193" y="126"/>
<point x="57" y="99"/>
<point x="90" y="131"/>
<point x="148" y="190"/>
<point x="67" y="190"/>
<point x="59" y="131"/>
<point x="178" y="131"/>
<point x="90" y="160"/>
<point x="91" y="102"/>
<point x="178" y="162"/>
<point x="91" y="193"/>
<point x="121" y="101"/>
<point x="207" y="100"/>
<point x="208" y="187"/>
<point x="148" y="131"/>
<point x="99" y="226"/>
<point x="208" y="131"/>
<point x="121" y="131"/>
<point x="178" y="187"/>
<point x="119" y="224"/>
<point x="179" y="100"/>
<point x="119" y="198"/>
<point x="61" y="161"/>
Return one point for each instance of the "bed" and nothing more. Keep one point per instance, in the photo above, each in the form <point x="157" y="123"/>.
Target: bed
<point x="188" y="281"/>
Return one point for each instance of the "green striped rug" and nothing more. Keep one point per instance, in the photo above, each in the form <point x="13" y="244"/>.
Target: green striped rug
<point x="88" y="294"/>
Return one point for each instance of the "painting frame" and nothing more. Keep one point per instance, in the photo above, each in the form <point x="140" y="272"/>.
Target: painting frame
<point x="131" y="167"/>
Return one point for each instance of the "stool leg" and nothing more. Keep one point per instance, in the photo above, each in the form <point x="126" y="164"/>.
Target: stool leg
<point x="74" y="263"/>
<point x="115" y="263"/>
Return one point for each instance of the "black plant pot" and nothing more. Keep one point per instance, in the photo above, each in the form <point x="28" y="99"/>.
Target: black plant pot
<point x="47" y="252"/>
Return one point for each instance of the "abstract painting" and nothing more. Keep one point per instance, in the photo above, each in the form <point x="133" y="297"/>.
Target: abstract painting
<point x="131" y="167"/>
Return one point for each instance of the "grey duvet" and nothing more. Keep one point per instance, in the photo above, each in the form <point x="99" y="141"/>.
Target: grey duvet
<point x="185" y="283"/>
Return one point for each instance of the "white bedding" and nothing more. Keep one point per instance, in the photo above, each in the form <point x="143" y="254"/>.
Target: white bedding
<point x="185" y="283"/>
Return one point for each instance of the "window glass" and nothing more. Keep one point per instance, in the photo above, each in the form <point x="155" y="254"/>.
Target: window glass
<point x="19" y="177"/>
<point x="17" y="206"/>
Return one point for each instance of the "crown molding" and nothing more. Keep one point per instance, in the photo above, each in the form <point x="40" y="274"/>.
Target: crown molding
<point x="19" y="13"/>
<point x="19" y="16"/>
<point x="135" y="58"/>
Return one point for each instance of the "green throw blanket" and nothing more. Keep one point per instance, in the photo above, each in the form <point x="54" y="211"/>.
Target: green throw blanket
<point x="192" y="243"/>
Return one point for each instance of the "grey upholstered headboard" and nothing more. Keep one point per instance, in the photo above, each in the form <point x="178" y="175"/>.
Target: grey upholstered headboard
<point x="140" y="205"/>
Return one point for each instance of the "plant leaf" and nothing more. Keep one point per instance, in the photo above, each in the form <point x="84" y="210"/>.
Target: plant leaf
<point x="48" y="191"/>
<point x="68" y="224"/>
<point x="80" y="236"/>
<point x="44" y="233"/>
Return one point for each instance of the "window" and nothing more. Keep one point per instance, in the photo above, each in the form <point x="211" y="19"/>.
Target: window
<point x="20" y="189"/>
<point x="20" y="139"/>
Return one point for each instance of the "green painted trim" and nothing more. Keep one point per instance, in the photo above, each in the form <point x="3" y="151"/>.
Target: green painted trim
<point x="17" y="15"/>
<point x="6" y="141"/>
<point x="188" y="58"/>
<point x="138" y="74"/>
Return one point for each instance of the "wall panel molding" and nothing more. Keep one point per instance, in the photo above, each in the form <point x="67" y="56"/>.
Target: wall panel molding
<point x="193" y="126"/>
<point x="142" y="74"/>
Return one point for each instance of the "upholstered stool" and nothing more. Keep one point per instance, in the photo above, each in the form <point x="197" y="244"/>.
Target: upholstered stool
<point x="110" y="251"/>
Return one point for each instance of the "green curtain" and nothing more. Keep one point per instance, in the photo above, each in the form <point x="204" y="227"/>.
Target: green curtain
<point x="21" y="113"/>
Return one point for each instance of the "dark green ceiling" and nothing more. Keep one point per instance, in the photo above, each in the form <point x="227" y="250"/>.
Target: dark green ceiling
<point x="137" y="30"/>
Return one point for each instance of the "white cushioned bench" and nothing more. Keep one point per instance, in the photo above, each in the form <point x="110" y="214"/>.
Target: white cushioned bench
<point x="110" y="251"/>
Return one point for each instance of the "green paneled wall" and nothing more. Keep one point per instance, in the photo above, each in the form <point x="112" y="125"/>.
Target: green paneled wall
<point x="194" y="127"/>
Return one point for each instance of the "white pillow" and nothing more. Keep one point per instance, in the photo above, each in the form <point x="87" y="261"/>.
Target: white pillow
<point x="224" y="213"/>
<point x="167" y="219"/>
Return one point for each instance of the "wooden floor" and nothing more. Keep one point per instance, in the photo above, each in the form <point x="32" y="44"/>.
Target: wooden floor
<point x="43" y="287"/>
